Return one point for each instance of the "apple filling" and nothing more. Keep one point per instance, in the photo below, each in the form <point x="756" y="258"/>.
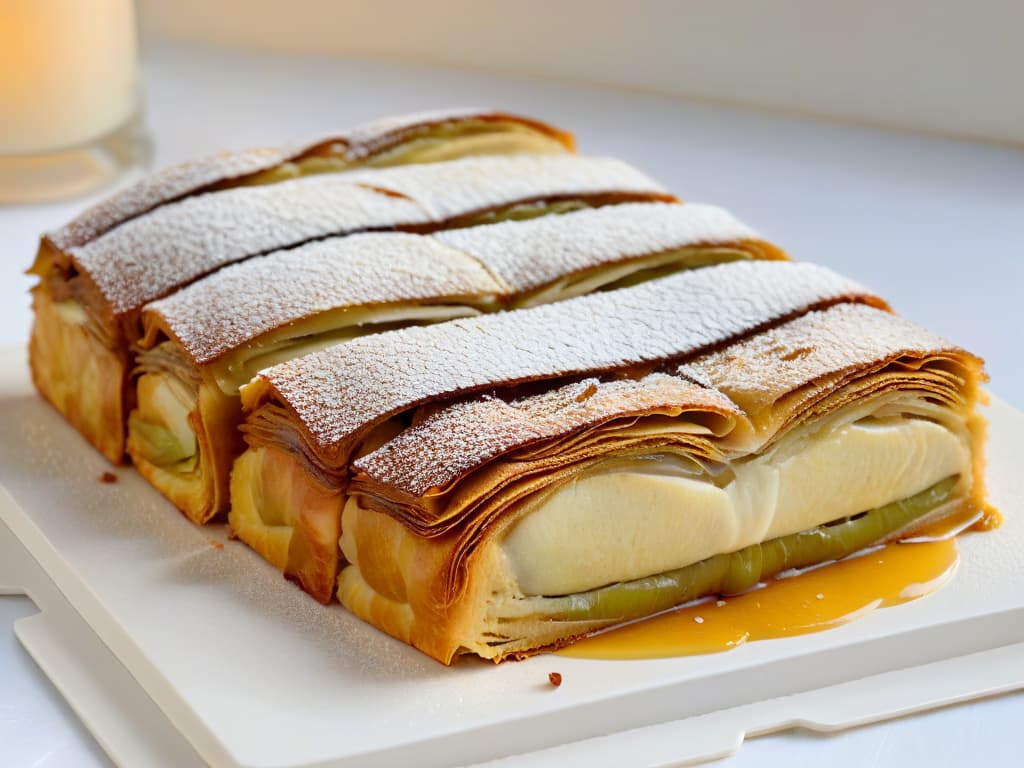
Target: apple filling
<point x="741" y="570"/>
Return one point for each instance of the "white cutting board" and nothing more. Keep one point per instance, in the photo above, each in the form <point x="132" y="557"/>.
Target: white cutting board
<point x="254" y="673"/>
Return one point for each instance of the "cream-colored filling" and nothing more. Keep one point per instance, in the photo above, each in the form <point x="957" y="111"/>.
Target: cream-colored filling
<point x="631" y="522"/>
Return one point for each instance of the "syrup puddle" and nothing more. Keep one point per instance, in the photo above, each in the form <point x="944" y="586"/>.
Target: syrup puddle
<point x="811" y="601"/>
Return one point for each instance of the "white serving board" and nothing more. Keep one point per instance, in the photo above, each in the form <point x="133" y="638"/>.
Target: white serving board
<point x="253" y="673"/>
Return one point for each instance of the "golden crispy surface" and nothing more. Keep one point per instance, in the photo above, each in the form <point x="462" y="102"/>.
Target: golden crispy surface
<point x="286" y="516"/>
<point x="78" y="375"/>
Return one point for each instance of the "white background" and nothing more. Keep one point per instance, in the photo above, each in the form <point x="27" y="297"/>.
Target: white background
<point x="934" y="225"/>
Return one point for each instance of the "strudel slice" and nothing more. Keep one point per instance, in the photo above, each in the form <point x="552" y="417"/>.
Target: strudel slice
<point x="204" y="342"/>
<point x="310" y="417"/>
<point x="89" y="297"/>
<point x="507" y="523"/>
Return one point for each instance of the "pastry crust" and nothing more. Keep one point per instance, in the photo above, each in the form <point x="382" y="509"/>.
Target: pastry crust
<point x="115" y="274"/>
<point x="330" y="290"/>
<point x="148" y="257"/>
<point x="329" y="407"/>
<point x="777" y="380"/>
<point x="504" y="264"/>
<point x="77" y="374"/>
<point x="427" y="513"/>
<point x="477" y="481"/>
<point x="235" y="168"/>
<point x="337" y="395"/>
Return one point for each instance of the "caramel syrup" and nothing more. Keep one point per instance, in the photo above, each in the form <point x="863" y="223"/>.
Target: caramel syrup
<point x="811" y="601"/>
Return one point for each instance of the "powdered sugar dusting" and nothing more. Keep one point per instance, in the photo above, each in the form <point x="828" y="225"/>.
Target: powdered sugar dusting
<point x="764" y="368"/>
<point x="452" y="189"/>
<point x="160" y="187"/>
<point x="531" y="254"/>
<point x="240" y="302"/>
<point x="194" y="176"/>
<point x="461" y="437"/>
<point x="746" y="378"/>
<point x="151" y="255"/>
<point x="342" y="389"/>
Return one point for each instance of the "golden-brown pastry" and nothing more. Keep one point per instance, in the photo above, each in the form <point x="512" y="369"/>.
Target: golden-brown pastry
<point x="202" y="343"/>
<point x="89" y="297"/>
<point x="310" y="417"/>
<point x="503" y="524"/>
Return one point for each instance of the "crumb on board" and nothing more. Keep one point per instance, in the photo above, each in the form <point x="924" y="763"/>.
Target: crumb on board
<point x="108" y="477"/>
<point x="216" y="544"/>
<point x="555" y="678"/>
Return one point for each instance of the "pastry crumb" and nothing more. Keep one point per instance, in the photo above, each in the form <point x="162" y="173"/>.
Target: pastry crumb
<point x="555" y="678"/>
<point x="108" y="477"/>
<point x="216" y="544"/>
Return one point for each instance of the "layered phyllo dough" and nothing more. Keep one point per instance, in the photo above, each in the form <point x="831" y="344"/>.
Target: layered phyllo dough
<point x="508" y="523"/>
<point x="204" y="342"/>
<point x="609" y="457"/>
<point x="310" y="417"/>
<point x="89" y="298"/>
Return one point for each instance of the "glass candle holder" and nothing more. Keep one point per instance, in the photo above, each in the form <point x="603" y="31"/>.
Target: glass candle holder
<point x="70" y="104"/>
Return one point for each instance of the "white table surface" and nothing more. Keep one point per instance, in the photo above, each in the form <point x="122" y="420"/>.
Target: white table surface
<point x="934" y="225"/>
